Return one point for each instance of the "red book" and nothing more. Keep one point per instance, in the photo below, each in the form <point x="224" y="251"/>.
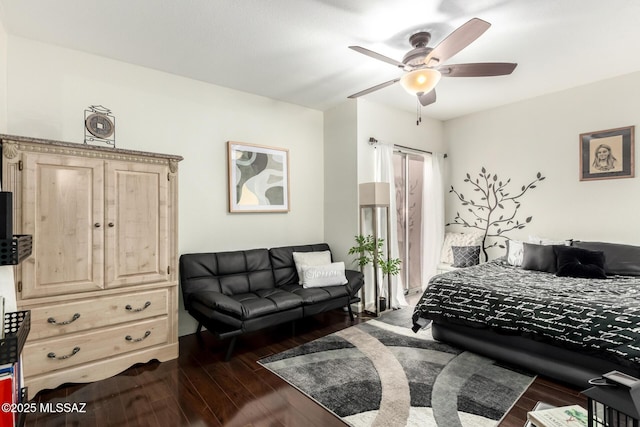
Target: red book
<point x="6" y="396"/>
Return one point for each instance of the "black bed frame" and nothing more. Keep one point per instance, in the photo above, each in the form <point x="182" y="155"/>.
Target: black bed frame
<point x="554" y="362"/>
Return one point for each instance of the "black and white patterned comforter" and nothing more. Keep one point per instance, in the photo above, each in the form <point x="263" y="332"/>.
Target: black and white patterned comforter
<point x="596" y="315"/>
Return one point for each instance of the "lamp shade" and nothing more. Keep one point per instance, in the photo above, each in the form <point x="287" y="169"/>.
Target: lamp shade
<point x="420" y="81"/>
<point x="375" y="194"/>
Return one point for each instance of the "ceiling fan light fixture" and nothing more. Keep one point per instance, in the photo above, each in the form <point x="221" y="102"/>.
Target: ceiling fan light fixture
<point x="422" y="80"/>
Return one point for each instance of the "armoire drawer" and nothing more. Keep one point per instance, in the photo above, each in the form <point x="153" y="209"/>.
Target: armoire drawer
<point x="64" y="352"/>
<point x="80" y="315"/>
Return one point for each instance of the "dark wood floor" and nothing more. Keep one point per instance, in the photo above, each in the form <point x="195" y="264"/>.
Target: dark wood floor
<point x="200" y="389"/>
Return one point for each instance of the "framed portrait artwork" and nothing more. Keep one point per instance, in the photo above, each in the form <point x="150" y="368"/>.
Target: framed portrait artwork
<point x="258" y="178"/>
<point x="607" y="154"/>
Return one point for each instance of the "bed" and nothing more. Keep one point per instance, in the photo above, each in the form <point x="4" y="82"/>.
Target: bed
<point x="568" y="328"/>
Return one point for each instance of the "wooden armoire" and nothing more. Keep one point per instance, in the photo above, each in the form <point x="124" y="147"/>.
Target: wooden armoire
<point x="101" y="283"/>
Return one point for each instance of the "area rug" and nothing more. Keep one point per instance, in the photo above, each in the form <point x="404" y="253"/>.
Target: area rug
<point x="380" y="373"/>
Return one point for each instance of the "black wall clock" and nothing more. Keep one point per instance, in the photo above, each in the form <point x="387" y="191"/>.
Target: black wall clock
<point x="100" y="125"/>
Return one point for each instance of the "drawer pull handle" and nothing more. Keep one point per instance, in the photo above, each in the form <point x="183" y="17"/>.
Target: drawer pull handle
<point x="66" y="322"/>
<point x="52" y="355"/>
<point x="131" y="339"/>
<point x="146" y="305"/>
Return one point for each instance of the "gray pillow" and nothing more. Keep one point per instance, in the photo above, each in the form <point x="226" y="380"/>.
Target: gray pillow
<point x="465" y="256"/>
<point x="618" y="258"/>
<point x="539" y="257"/>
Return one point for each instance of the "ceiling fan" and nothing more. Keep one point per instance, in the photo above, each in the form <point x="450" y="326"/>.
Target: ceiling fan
<point x="425" y="65"/>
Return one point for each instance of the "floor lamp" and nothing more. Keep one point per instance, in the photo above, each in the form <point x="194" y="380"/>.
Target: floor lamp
<point x="374" y="195"/>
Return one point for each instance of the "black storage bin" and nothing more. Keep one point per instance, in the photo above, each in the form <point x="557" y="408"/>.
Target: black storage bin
<point x="16" y="328"/>
<point x="13" y="251"/>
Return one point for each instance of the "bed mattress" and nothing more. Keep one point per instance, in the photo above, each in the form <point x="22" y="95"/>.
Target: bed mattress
<point x="595" y="316"/>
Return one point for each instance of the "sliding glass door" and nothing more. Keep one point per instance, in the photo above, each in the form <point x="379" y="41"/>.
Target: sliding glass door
<point x="409" y="180"/>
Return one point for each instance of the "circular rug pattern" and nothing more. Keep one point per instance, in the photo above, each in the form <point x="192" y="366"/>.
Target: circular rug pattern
<point x="380" y="374"/>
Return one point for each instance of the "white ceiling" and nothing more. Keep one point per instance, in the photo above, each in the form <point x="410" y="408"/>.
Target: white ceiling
<point x="296" y="50"/>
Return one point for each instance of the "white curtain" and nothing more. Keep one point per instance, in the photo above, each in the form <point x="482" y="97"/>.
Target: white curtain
<point x="433" y="215"/>
<point x="384" y="173"/>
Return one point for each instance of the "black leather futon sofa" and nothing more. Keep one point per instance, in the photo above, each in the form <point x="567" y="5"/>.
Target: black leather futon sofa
<point x="231" y="293"/>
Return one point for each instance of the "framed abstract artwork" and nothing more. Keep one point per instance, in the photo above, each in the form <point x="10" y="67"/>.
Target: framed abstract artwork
<point x="607" y="154"/>
<point x="258" y="178"/>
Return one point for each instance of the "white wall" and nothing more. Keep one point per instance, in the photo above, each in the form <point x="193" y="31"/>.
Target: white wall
<point x="3" y="78"/>
<point x="542" y="134"/>
<point x="341" y="179"/>
<point x="50" y="87"/>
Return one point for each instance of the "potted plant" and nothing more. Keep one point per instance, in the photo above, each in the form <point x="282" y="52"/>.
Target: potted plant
<point x="369" y="251"/>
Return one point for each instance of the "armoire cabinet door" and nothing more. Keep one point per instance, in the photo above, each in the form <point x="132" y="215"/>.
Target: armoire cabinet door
<point x="63" y="208"/>
<point x="137" y="224"/>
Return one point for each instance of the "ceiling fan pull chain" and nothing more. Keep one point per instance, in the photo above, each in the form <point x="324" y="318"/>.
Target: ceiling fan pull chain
<point x="418" y="113"/>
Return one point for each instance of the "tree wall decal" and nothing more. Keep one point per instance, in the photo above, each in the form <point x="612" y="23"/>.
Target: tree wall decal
<point x="495" y="212"/>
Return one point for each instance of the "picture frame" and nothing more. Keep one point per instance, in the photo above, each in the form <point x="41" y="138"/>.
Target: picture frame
<point x="258" y="178"/>
<point x="607" y="154"/>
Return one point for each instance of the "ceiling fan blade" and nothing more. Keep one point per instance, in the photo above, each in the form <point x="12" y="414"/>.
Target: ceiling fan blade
<point x="480" y="69"/>
<point x="377" y="56"/>
<point x="427" y="98"/>
<point x="462" y="37"/>
<point x="374" y="88"/>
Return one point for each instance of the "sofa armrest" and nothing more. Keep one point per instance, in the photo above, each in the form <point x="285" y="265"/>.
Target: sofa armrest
<point x="355" y="281"/>
<point x="217" y="301"/>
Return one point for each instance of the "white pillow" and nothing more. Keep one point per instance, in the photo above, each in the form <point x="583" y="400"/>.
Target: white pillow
<point x="473" y="238"/>
<point x="543" y="241"/>
<point x="323" y="275"/>
<point x="515" y="252"/>
<point x="310" y="258"/>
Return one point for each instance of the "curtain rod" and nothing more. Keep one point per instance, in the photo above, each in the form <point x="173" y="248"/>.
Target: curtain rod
<point x="373" y="141"/>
